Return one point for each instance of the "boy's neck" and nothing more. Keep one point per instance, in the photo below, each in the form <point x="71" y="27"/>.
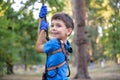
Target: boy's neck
<point x="63" y="41"/>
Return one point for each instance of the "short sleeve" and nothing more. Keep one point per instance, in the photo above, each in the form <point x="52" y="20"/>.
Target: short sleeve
<point x="51" y="45"/>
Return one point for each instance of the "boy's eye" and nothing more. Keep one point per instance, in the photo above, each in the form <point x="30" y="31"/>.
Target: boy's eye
<point x="52" y="25"/>
<point x="58" y="25"/>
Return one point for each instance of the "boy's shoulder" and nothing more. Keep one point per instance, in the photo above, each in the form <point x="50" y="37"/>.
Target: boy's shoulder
<point x="53" y="41"/>
<point x="51" y="45"/>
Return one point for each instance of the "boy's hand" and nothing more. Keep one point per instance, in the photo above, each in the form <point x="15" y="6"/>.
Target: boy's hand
<point x="44" y="25"/>
<point x="43" y="11"/>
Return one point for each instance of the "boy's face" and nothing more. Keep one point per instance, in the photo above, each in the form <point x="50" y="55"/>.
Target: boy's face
<point x="59" y="30"/>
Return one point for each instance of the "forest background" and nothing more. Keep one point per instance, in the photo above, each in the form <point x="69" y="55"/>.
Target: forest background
<point x="18" y="31"/>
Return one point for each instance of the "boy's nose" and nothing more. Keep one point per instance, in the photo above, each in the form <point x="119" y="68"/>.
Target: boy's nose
<point x="54" y="28"/>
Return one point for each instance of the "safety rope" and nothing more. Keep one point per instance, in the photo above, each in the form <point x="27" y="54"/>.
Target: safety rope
<point x="47" y="36"/>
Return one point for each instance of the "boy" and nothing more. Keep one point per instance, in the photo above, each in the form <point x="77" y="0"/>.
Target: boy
<point x="57" y="48"/>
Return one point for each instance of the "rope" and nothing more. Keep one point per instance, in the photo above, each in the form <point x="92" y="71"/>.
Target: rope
<point x="47" y="36"/>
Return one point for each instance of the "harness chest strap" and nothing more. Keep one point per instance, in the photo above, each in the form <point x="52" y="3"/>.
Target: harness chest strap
<point x="57" y="66"/>
<point x="58" y="50"/>
<point x="64" y="51"/>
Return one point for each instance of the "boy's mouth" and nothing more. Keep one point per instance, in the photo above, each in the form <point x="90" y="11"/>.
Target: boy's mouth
<point x="54" y="34"/>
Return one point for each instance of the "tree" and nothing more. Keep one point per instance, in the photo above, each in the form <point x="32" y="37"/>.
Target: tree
<point x="105" y="14"/>
<point x="18" y="31"/>
<point x="79" y="12"/>
<point x="6" y="37"/>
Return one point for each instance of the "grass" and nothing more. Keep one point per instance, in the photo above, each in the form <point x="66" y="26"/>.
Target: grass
<point x="110" y="72"/>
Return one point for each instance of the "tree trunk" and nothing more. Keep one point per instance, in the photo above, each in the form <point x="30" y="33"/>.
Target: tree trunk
<point x="9" y="68"/>
<point x="79" y="15"/>
<point x="25" y="62"/>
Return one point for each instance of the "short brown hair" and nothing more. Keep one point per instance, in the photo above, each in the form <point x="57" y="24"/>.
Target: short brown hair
<point x="65" y="18"/>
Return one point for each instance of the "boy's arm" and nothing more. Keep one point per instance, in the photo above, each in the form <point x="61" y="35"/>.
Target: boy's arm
<point x="40" y="41"/>
<point x="43" y="26"/>
<point x="41" y="35"/>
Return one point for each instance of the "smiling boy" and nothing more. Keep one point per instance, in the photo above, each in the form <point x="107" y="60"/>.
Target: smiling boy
<point x="57" y="48"/>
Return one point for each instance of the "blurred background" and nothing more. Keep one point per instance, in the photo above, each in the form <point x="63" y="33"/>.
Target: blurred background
<point x="19" y="21"/>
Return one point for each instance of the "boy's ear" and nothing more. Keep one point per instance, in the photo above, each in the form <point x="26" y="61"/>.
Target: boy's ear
<point x="69" y="31"/>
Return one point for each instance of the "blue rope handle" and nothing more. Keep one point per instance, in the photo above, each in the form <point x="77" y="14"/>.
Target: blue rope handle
<point x="47" y="36"/>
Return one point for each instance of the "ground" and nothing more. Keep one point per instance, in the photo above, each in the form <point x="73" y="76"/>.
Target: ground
<point x="109" y="72"/>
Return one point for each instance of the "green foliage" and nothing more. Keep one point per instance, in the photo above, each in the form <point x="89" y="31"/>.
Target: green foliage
<point x="18" y="33"/>
<point x="7" y="35"/>
<point x="56" y="5"/>
<point x="18" y="30"/>
<point x="105" y="14"/>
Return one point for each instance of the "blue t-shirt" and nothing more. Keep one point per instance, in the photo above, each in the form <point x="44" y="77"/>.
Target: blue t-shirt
<point x="55" y="59"/>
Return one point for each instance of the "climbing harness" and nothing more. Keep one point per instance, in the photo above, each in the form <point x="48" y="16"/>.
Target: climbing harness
<point x="56" y="67"/>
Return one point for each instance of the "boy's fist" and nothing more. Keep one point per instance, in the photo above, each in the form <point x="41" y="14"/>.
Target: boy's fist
<point x="43" y="11"/>
<point x="44" y="25"/>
